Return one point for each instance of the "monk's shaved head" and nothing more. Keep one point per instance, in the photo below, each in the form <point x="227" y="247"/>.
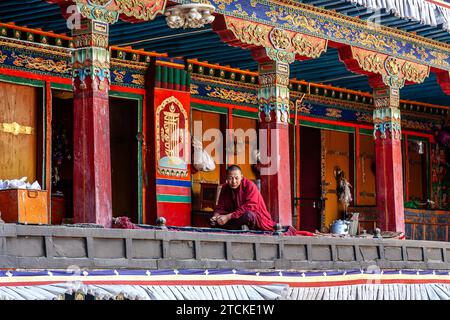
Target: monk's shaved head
<point x="233" y="168"/>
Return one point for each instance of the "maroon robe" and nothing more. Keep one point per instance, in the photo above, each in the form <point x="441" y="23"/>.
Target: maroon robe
<point x="246" y="198"/>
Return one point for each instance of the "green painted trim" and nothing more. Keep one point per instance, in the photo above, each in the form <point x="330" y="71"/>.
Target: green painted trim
<point x="140" y="100"/>
<point x="325" y="126"/>
<point x="188" y="79"/>
<point x="183" y="78"/>
<point x="428" y="166"/>
<point x="126" y="95"/>
<point x="140" y="162"/>
<point x="246" y="114"/>
<point x="44" y="138"/>
<point x="366" y="132"/>
<point x="173" y="198"/>
<point x="205" y="107"/>
<point x="295" y="170"/>
<point x="22" y="81"/>
<point x="417" y="138"/>
<point x="177" y="76"/>
<point x="157" y="73"/>
<point x="61" y="86"/>
<point x="164" y="74"/>
<point x="355" y="172"/>
<point x="171" y="73"/>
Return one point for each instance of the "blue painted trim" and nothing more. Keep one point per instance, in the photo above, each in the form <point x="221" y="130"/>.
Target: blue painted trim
<point x="177" y="183"/>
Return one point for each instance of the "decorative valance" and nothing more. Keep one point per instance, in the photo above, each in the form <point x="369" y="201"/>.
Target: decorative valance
<point x="423" y="11"/>
<point x="188" y="284"/>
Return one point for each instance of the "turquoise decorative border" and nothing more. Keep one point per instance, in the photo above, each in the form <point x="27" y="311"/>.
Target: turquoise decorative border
<point x="58" y="65"/>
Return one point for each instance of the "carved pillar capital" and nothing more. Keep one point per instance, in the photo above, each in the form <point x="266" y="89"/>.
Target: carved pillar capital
<point x="386" y="116"/>
<point x="273" y="93"/>
<point x="90" y="57"/>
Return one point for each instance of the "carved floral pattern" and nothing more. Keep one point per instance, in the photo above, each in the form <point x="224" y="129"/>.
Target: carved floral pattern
<point x="394" y="71"/>
<point x="279" y="44"/>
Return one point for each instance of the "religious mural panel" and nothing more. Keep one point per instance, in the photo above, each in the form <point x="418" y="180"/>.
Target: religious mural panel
<point x="172" y="133"/>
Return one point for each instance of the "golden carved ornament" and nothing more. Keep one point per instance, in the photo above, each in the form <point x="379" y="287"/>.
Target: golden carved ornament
<point x="415" y="73"/>
<point x="301" y="21"/>
<point x="371" y="63"/>
<point x="335" y="113"/>
<point x="15" y="128"/>
<point x="304" y="46"/>
<point x="392" y="66"/>
<point x="280" y="44"/>
<point x="145" y="10"/>
<point x="440" y="58"/>
<point x="100" y="2"/>
<point x="248" y="32"/>
<point x="87" y="40"/>
<point x="267" y="79"/>
<point x="394" y="71"/>
<point x="97" y="13"/>
<point x="138" y="9"/>
<point x="2" y="57"/>
<point x="85" y="11"/>
<point x="233" y="95"/>
<point x="283" y="79"/>
<point x="371" y="40"/>
<point x="280" y="39"/>
<point x="41" y="64"/>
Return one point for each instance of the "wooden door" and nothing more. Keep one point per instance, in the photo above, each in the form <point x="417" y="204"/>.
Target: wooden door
<point x="310" y="179"/>
<point x="336" y="153"/>
<point x="18" y="132"/>
<point x="124" y="158"/>
<point x="208" y="121"/>
<point x="367" y="195"/>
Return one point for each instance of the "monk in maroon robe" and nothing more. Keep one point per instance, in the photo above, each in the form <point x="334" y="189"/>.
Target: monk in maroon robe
<point x="240" y="203"/>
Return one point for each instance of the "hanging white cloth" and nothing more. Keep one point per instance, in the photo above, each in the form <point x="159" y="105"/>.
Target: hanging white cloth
<point x="422" y="11"/>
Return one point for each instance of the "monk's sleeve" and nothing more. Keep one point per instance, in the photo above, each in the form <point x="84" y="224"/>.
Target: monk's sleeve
<point x="220" y="207"/>
<point x="250" y="202"/>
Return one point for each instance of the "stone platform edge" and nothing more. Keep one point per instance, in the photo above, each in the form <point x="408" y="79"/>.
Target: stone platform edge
<point x="58" y="247"/>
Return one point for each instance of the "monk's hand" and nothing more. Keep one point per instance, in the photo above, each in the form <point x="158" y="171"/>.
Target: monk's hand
<point x="223" y="219"/>
<point x="213" y="220"/>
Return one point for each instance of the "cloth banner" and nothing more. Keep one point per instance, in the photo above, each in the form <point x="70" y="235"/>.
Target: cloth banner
<point x="227" y="285"/>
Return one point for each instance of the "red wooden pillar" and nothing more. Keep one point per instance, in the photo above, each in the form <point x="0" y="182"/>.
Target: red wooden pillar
<point x="92" y="163"/>
<point x="389" y="171"/>
<point x="273" y="99"/>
